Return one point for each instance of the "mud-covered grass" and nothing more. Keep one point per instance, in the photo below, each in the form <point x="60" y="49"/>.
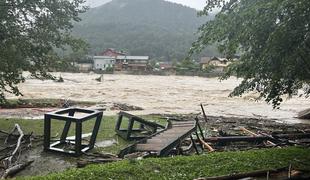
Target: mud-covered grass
<point x="41" y="103"/>
<point x="190" y="167"/>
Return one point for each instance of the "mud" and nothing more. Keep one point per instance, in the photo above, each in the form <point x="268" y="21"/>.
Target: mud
<point x="159" y="94"/>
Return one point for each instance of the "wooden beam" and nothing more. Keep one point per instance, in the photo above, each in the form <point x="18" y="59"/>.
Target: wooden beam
<point x="236" y="138"/>
<point x="255" y="135"/>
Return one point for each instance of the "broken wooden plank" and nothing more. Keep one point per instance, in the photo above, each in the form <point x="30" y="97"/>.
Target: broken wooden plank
<point x="254" y="134"/>
<point x="83" y="163"/>
<point x="236" y="138"/>
<point x="15" y="169"/>
<point x="293" y="135"/>
<point x="206" y="145"/>
<point x="245" y="175"/>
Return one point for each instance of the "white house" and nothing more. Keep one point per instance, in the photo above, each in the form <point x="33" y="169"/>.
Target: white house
<point x="103" y="62"/>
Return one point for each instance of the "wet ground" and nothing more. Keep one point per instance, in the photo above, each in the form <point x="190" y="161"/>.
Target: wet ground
<point x="47" y="162"/>
<point x="155" y="94"/>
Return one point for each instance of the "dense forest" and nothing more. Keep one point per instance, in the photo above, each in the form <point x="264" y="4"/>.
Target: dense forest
<point x="157" y="28"/>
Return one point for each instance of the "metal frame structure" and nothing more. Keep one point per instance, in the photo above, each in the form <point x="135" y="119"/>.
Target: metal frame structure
<point x="67" y="115"/>
<point x="127" y="133"/>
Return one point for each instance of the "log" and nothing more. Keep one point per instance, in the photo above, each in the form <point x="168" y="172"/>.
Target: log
<point x="15" y="169"/>
<point x="101" y="155"/>
<point x="244" y="175"/>
<point x="292" y="136"/>
<point x="206" y="145"/>
<point x="236" y="138"/>
<point x="83" y="163"/>
<point x="254" y="134"/>
<point x="248" y="131"/>
<point x="137" y="155"/>
<point x="8" y="160"/>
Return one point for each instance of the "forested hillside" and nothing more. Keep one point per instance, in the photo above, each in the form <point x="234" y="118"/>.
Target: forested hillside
<point x="157" y="28"/>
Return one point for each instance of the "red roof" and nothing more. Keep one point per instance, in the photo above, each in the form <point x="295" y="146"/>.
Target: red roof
<point x="111" y="52"/>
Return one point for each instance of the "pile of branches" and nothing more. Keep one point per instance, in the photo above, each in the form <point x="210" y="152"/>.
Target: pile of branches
<point x="14" y="144"/>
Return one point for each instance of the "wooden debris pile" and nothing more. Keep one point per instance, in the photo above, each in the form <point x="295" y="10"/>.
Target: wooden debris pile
<point x="232" y="133"/>
<point x="15" y="143"/>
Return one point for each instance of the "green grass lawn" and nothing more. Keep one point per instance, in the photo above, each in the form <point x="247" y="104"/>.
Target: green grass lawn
<point x="190" y="167"/>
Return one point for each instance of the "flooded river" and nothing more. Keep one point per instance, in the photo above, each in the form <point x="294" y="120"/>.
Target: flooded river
<point x="162" y="94"/>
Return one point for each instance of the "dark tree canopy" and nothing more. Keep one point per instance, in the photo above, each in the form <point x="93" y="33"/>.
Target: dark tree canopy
<point x="273" y="39"/>
<point x="30" y="31"/>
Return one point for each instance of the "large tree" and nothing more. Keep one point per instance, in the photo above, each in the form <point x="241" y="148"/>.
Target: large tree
<point x="273" y="39"/>
<point x="30" y="32"/>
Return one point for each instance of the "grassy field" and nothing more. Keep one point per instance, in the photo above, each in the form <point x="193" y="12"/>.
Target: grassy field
<point x="190" y="167"/>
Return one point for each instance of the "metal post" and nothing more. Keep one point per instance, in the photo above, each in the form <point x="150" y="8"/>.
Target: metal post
<point x="199" y="140"/>
<point x="141" y="126"/>
<point x="194" y="144"/>
<point x="95" y="131"/>
<point x="203" y="111"/>
<point x="47" y="132"/>
<point x="78" y="137"/>
<point x="119" y="122"/>
<point x="199" y="127"/>
<point x="130" y="126"/>
<point x="66" y="128"/>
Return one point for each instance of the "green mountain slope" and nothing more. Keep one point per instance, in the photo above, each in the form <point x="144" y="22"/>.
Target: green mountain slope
<point x="156" y="28"/>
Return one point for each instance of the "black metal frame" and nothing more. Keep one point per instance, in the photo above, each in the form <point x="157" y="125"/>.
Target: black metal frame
<point x="67" y="115"/>
<point x="127" y="133"/>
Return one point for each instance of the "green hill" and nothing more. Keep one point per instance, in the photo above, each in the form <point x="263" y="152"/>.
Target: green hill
<point x="156" y="28"/>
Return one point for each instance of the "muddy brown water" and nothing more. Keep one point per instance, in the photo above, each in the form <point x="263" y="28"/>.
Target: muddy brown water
<point x="156" y="94"/>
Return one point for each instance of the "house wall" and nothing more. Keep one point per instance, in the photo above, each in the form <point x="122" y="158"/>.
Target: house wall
<point x="102" y="63"/>
<point x="120" y="63"/>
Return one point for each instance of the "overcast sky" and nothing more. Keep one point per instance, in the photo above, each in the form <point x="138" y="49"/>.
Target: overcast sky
<point x="197" y="4"/>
